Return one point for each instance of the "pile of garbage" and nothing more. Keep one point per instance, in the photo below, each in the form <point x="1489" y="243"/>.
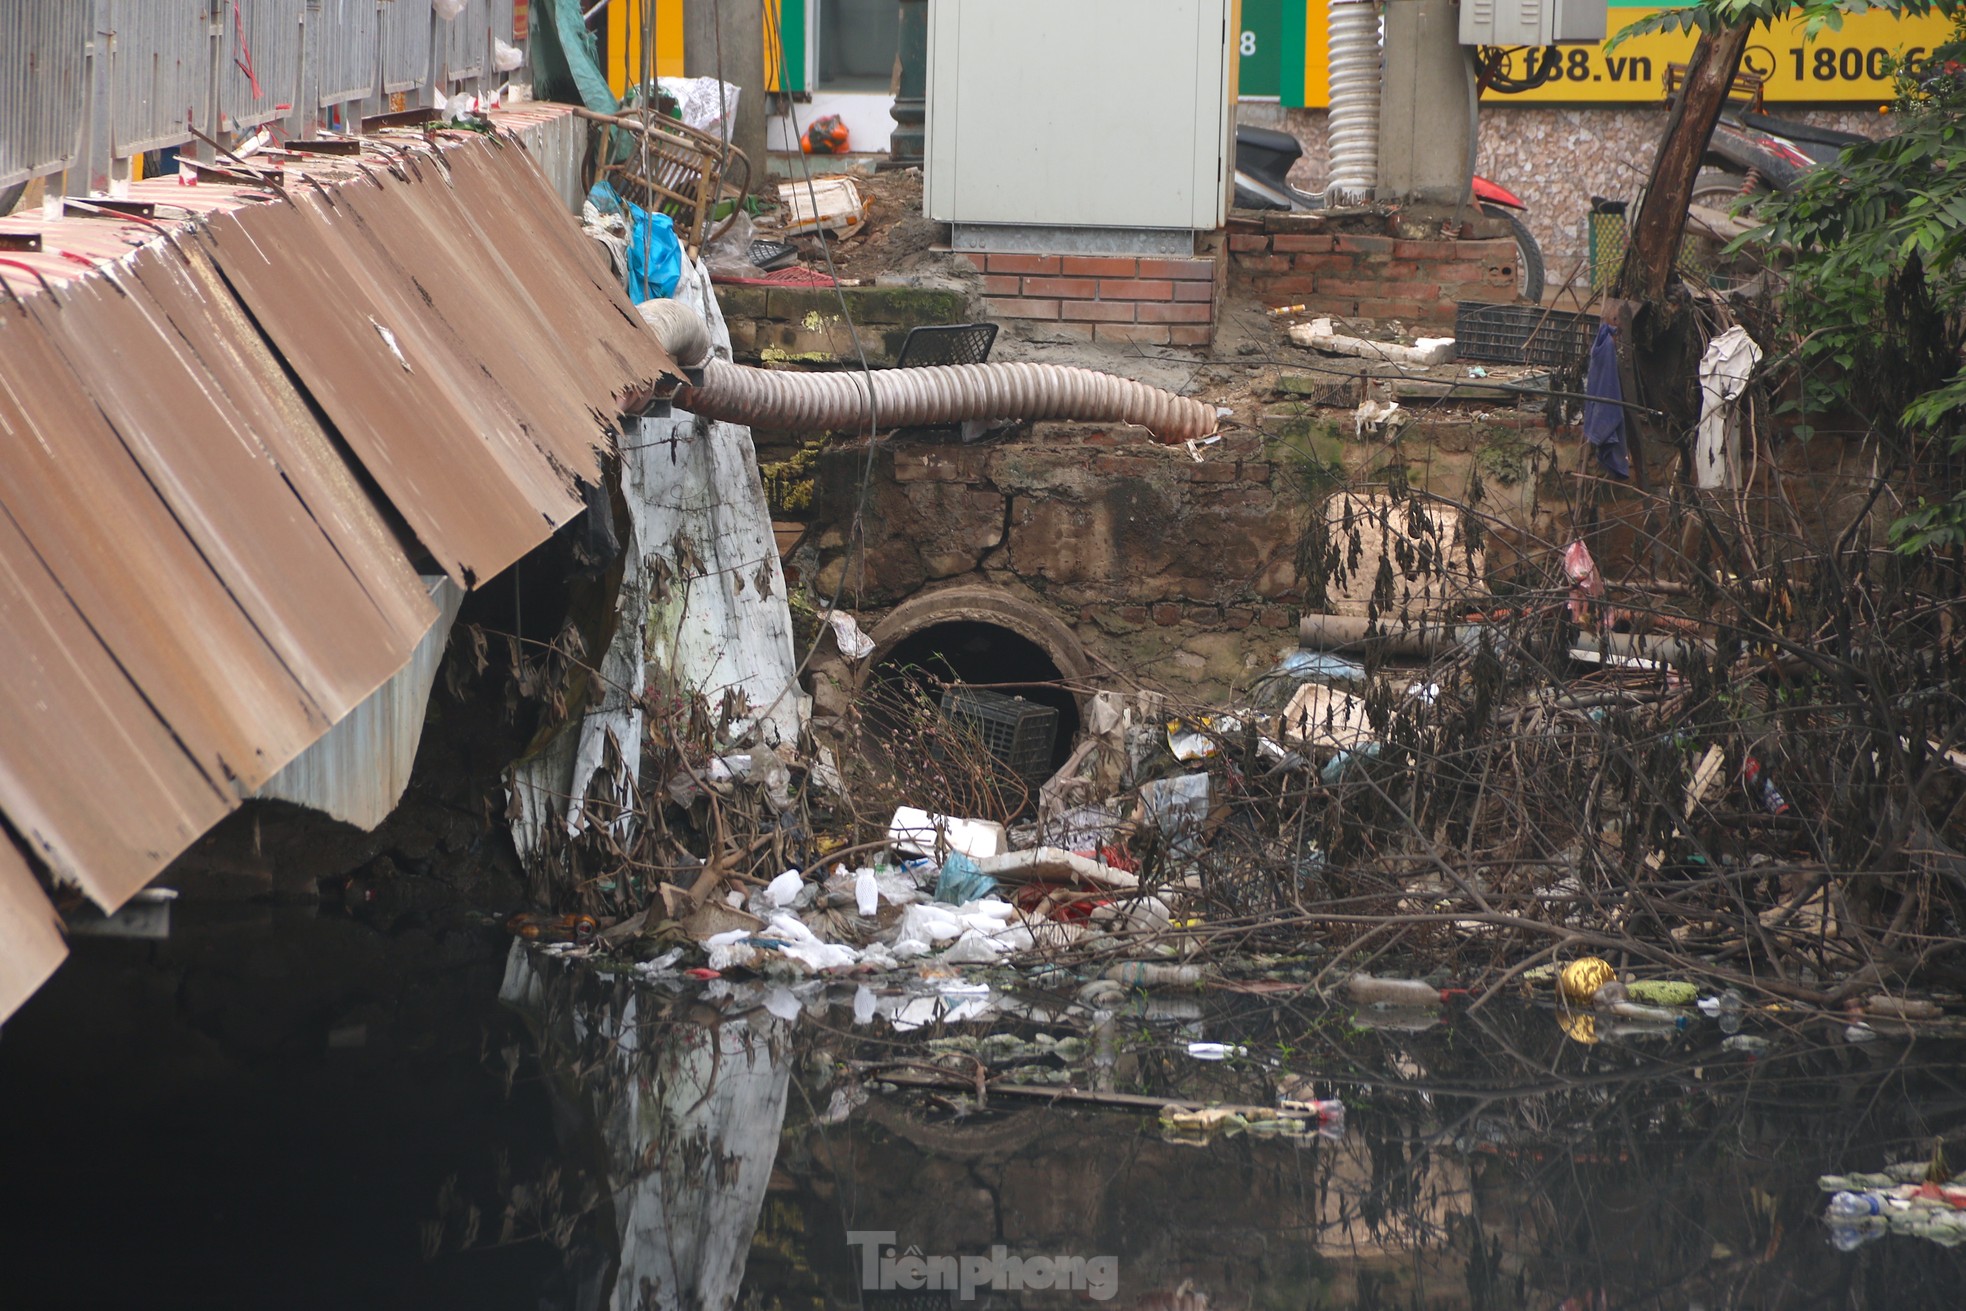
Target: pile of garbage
<point x="1904" y="1198"/>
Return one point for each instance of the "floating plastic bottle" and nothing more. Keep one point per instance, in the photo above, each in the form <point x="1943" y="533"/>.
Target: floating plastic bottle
<point x="1632" y="1010"/>
<point x="1393" y="992"/>
<point x="1147" y="974"/>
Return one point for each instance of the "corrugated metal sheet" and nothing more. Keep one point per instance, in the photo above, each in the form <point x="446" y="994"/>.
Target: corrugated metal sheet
<point x="342" y="37"/>
<point x="194" y="581"/>
<point x="357" y="773"/>
<point x="405" y="44"/>
<point x="31" y="944"/>
<point x="95" y="784"/>
<point x="259" y="71"/>
<point x="43" y="81"/>
<point x="464" y="43"/>
<point x="161" y="73"/>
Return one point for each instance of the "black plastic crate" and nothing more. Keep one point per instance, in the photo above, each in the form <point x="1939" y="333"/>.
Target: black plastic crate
<point x="1522" y="334"/>
<point x="1018" y="734"/>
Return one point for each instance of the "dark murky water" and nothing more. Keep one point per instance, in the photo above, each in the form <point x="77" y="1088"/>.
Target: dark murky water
<point x="291" y="1110"/>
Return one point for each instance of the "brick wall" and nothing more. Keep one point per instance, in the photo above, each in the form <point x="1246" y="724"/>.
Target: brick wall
<point x="1292" y="260"/>
<point x="1151" y="300"/>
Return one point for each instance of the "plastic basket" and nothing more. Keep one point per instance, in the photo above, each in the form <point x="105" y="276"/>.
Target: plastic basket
<point x="1018" y="734"/>
<point x="1522" y="334"/>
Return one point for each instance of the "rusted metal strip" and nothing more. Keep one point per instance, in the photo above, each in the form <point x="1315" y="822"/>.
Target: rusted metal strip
<point x="91" y="515"/>
<point x="31" y="943"/>
<point x="245" y="370"/>
<point x="92" y="780"/>
<point x="226" y="493"/>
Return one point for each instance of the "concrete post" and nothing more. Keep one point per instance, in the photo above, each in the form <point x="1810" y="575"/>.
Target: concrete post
<point x="738" y="28"/>
<point x="1424" y="126"/>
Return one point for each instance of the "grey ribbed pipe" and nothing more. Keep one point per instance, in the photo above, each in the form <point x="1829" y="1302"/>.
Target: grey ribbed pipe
<point x="767" y="398"/>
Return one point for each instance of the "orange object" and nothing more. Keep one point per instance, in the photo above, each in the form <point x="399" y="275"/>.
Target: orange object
<point x="826" y="136"/>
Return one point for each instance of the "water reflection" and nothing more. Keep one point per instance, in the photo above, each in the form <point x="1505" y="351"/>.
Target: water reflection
<point x="305" y="1111"/>
<point x="1486" y="1161"/>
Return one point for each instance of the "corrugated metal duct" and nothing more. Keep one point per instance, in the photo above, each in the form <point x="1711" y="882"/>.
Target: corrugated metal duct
<point x="195" y="582"/>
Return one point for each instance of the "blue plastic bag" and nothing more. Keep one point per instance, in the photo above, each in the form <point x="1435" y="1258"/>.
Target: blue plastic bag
<point x="655" y="256"/>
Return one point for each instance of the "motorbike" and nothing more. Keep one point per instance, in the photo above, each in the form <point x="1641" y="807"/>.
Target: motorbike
<point x="1753" y="153"/>
<point x="1263" y="160"/>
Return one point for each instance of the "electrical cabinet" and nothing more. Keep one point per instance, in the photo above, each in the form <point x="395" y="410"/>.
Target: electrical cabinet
<point x="1531" y="22"/>
<point x="1112" y="114"/>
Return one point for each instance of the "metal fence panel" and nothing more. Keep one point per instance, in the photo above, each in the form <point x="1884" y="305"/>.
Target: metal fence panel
<point x="43" y="83"/>
<point x="160" y="73"/>
<point x="466" y="43"/>
<point x="342" y="36"/>
<point x="261" y="68"/>
<point x="405" y="44"/>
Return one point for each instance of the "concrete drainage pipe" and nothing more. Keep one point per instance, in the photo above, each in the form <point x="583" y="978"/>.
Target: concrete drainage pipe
<point x="766" y="398"/>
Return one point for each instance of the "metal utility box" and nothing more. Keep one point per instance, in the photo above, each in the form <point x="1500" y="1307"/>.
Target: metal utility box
<point x="1531" y="22"/>
<point x="1103" y="114"/>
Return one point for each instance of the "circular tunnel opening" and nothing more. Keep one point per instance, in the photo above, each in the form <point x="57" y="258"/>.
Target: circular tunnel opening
<point x="987" y="656"/>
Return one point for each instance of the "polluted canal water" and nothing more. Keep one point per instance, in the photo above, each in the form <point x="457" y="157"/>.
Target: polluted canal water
<point x="298" y="1110"/>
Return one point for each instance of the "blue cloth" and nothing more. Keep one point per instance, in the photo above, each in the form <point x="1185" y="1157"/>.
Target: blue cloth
<point x="1604" y="425"/>
<point x="655" y="256"/>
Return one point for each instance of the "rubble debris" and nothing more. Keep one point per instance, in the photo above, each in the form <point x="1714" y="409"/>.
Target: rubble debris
<point x="1319" y="335"/>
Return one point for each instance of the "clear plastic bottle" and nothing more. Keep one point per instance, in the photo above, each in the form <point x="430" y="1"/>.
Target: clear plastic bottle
<point x="1392" y="992"/>
<point x="1139" y="974"/>
<point x="1731" y="1010"/>
<point x="1855" y="1206"/>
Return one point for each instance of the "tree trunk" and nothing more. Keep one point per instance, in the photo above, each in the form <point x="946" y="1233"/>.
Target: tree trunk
<point x="1655" y="239"/>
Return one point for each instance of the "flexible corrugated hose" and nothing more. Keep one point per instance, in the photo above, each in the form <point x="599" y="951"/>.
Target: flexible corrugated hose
<point x="769" y="398"/>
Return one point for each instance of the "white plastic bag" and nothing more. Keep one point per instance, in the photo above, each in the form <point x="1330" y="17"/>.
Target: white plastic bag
<point x="505" y="58"/>
<point x="447" y="9"/>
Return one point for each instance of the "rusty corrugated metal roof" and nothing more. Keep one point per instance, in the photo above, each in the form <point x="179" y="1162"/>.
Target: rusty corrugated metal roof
<point x="31" y="944"/>
<point x="196" y="419"/>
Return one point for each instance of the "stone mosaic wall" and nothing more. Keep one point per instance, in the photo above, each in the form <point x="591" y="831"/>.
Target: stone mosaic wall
<point x="1556" y="158"/>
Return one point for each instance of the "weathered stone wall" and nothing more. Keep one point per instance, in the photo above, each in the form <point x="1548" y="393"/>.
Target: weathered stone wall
<point x="803" y="325"/>
<point x="1132" y="544"/>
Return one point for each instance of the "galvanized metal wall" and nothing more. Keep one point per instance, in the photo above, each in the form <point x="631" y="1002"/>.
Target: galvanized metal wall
<point x="160" y="76"/>
<point x="146" y="72"/>
<point x="405" y="44"/>
<point x="43" y="81"/>
<point x="259" y="76"/>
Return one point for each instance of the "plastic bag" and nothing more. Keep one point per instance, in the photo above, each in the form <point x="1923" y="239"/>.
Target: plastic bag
<point x="962" y="881"/>
<point x="447" y="9"/>
<point x="826" y="136"/>
<point x="505" y="57"/>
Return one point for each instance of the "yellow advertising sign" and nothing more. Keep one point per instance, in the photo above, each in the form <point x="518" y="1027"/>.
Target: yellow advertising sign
<point x="1846" y="65"/>
<point x="1850" y="64"/>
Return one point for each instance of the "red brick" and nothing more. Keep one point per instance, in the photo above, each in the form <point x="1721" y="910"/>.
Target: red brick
<point x="1331" y="263"/>
<point x="1181" y="270"/>
<point x="1124" y="466"/>
<point x="1250" y="241"/>
<point x="1023" y="264"/>
<point x="1434" y="250"/>
<point x="1376" y="288"/>
<point x="1022" y="309"/>
<point x="1070" y="331"/>
<point x="1201" y="291"/>
<point x="1138" y="334"/>
<point x="974" y="257"/>
<point x="1274" y="616"/>
<point x="1239" y="617"/>
<point x="1175" y="312"/>
<point x="1167" y="615"/>
<point x="1100" y="311"/>
<point x="1346" y="242"/>
<point x="1308" y="243"/>
<point x="1181" y="334"/>
<point x="1255" y="471"/>
<point x="1002" y="284"/>
<point x="1076" y="288"/>
<point x="1100" y="266"/>
<point x="1409" y="310"/>
<point x="1135" y="289"/>
<point x="1131" y="614"/>
<point x="1250" y="264"/>
<point x="1486" y="250"/>
<point x="1212" y="471"/>
<point x="1288" y="284"/>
